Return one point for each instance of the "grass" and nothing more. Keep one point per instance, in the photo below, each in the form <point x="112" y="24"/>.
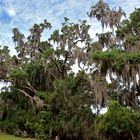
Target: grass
<point x="11" y="137"/>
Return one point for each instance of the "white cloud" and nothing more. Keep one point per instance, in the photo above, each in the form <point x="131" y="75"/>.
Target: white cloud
<point x="11" y="11"/>
<point x="8" y="7"/>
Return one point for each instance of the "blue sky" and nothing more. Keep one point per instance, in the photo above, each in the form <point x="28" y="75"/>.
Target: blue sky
<point x="24" y="13"/>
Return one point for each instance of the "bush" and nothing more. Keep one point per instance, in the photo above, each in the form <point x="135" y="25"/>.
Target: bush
<point x="120" y="122"/>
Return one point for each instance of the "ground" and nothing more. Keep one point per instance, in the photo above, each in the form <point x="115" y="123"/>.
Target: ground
<point x="10" y="137"/>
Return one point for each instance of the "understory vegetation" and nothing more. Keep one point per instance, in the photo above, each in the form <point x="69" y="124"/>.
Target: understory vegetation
<point x="48" y="100"/>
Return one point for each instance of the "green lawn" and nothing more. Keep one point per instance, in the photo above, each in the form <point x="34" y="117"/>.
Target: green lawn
<point x="11" y="137"/>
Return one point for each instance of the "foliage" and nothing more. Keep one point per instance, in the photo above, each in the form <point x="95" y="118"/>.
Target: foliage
<point x="120" y="121"/>
<point x="47" y="99"/>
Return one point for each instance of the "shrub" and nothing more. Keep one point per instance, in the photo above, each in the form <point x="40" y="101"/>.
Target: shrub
<point x="120" y="121"/>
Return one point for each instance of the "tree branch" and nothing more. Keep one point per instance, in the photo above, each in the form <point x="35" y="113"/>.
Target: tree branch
<point x="80" y="40"/>
<point x="33" y="98"/>
<point x="57" y="66"/>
